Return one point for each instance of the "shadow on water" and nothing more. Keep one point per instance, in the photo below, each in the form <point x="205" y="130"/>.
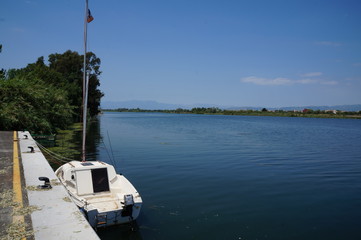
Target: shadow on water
<point x="125" y="232"/>
<point x="93" y="139"/>
<point x="68" y="144"/>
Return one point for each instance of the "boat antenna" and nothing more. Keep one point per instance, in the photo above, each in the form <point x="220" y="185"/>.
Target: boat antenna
<point x="85" y="80"/>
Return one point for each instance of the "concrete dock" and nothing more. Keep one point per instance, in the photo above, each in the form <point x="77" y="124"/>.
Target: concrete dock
<point x="27" y="212"/>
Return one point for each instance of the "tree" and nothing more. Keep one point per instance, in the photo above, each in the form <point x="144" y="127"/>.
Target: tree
<point x="41" y="71"/>
<point x="70" y="65"/>
<point x="30" y="104"/>
<point x="95" y="94"/>
<point x="43" y="98"/>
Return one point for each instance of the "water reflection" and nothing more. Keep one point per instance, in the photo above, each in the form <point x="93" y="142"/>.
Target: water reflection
<point x="93" y="139"/>
<point x="68" y="144"/>
<point x="125" y="232"/>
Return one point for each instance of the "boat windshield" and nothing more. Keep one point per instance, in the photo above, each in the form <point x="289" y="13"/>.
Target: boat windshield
<point x="100" y="180"/>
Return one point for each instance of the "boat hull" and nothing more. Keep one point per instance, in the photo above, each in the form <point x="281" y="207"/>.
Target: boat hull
<point x="105" y="219"/>
<point x="103" y="196"/>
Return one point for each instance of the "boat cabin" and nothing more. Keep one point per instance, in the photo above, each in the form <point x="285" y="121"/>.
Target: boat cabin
<point x="88" y="177"/>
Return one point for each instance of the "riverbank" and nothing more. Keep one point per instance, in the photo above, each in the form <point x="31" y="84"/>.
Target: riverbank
<point x="306" y="113"/>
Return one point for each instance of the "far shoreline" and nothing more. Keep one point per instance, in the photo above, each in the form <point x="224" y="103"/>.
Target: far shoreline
<point x="305" y="113"/>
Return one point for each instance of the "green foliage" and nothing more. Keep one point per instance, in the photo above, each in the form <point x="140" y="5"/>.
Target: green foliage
<point x="43" y="98"/>
<point x="70" y="66"/>
<point x="66" y="145"/>
<point x="30" y="104"/>
<point x="203" y="110"/>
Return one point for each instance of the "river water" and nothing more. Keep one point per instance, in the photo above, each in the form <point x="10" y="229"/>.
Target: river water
<point x="236" y="177"/>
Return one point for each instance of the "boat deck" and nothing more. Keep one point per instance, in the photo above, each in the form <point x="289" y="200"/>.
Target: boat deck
<point x="104" y="203"/>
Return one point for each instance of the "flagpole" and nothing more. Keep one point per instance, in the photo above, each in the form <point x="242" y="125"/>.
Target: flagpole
<point x="85" y="82"/>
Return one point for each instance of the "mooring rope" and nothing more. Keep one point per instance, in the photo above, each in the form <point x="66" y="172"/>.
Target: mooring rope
<point x="54" y="155"/>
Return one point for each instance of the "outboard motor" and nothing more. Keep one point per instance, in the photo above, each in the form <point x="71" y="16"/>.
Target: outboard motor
<point x="128" y="205"/>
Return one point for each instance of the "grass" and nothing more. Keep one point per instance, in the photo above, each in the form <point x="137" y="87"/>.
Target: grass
<point x="19" y="229"/>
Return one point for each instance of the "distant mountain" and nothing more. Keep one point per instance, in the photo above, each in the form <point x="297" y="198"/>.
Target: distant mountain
<point x="147" y="105"/>
<point x="153" y="105"/>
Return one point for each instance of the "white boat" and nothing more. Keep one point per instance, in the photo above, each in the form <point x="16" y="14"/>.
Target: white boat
<point x="105" y="197"/>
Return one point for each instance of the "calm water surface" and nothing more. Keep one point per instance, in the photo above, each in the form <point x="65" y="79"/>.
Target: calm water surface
<point x="237" y="177"/>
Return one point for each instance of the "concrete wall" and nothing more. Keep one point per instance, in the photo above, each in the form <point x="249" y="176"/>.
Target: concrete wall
<point x="58" y="217"/>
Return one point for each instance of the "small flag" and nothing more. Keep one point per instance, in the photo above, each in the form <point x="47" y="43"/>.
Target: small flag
<point x="89" y="17"/>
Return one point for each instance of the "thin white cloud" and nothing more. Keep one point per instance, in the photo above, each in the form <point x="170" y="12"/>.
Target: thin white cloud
<point x="312" y="74"/>
<point x="329" y="82"/>
<point x="266" y="81"/>
<point x="305" y="81"/>
<point x="358" y="64"/>
<point x="328" y="43"/>
<point x="284" y="81"/>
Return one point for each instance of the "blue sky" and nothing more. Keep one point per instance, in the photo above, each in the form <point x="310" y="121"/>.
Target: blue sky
<point x="230" y="53"/>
